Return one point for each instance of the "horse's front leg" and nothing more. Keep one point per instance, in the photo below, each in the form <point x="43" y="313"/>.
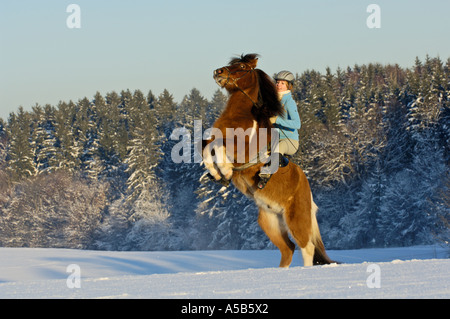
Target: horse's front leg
<point x="216" y="160"/>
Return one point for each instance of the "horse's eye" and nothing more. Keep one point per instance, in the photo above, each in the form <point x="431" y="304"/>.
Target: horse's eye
<point x="242" y="66"/>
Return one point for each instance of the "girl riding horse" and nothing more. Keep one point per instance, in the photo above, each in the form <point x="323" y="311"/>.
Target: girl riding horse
<point x="286" y="125"/>
<point x="285" y="203"/>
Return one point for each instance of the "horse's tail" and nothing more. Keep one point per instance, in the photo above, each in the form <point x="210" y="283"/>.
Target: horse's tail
<point x="320" y="255"/>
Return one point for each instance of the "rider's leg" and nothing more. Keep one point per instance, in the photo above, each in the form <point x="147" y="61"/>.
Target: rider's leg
<point x="285" y="146"/>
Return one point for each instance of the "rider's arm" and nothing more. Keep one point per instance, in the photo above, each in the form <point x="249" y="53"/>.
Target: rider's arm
<point x="291" y="118"/>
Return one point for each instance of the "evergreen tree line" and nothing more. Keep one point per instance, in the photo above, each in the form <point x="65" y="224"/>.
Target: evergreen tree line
<point x="100" y="174"/>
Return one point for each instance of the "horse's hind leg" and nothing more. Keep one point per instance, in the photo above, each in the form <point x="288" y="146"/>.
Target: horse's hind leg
<point x="299" y="223"/>
<point x="308" y="254"/>
<point x="274" y="227"/>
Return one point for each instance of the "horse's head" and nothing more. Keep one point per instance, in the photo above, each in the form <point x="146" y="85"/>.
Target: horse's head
<point x="236" y="74"/>
<point x="240" y="75"/>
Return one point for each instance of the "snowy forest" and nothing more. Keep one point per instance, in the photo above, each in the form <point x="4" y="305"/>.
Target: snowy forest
<point x="98" y="173"/>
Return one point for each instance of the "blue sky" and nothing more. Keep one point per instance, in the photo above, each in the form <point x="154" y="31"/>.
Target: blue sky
<point x="153" y="45"/>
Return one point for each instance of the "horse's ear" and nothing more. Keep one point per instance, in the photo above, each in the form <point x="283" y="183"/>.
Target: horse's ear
<point x="254" y="63"/>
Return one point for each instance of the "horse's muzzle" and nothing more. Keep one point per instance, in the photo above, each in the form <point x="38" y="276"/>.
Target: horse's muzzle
<point x="219" y="77"/>
<point x="218" y="72"/>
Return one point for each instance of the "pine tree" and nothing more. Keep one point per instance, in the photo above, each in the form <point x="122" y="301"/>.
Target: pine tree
<point x="398" y="150"/>
<point x="111" y="233"/>
<point x="425" y="111"/>
<point x="91" y="161"/>
<point x="43" y="139"/>
<point x="21" y="157"/>
<point x="166" y="111"/>
<point x="151" y="100"/>
<point x="68" y="151"/>
<point x="193" y="107"/>
<point x="217" y="105"/>
<point x="3" y="146"/>
<point x="2" y="128"/>
<point x="360" y="224"/>
<point x="105" y="128"/>
<point x="429" y="173"/>
<point x="143" y="150"/>
<point x="117" y="127"/>
<point x="331" y="97"/>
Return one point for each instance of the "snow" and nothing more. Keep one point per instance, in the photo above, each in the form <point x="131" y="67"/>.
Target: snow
<point x="409" y="272"/>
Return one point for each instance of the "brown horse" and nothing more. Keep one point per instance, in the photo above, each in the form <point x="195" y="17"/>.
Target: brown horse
<point x="285" y="204"/>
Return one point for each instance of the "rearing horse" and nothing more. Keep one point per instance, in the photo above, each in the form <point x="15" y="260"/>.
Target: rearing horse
<point x="285" y="204"/>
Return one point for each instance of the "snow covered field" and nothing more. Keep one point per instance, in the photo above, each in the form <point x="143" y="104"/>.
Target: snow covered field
<point x="412" y="272"/>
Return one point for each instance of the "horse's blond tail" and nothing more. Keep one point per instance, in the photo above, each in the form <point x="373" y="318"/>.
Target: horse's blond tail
<point x="320" y="255"/>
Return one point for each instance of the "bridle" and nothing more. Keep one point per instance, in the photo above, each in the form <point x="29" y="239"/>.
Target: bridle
<point x="234" y="81"/>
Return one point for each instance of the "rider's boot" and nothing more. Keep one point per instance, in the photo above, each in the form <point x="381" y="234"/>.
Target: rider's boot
<point x="264" y="177"/>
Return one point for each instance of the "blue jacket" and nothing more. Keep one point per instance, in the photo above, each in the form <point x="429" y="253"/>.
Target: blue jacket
<point x="289" y="123"/>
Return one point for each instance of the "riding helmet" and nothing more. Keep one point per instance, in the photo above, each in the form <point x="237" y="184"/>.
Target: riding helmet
<point x="285" y="76"/>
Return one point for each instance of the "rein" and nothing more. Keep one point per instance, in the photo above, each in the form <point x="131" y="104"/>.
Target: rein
<point x="254" y="161"/>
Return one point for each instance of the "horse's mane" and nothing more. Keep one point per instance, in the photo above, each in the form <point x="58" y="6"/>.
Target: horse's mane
<point x="244" y="58"/>
<point x="268" y="104"/>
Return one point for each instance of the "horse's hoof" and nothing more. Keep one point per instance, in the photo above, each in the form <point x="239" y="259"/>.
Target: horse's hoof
<point x="224" y="182"/>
